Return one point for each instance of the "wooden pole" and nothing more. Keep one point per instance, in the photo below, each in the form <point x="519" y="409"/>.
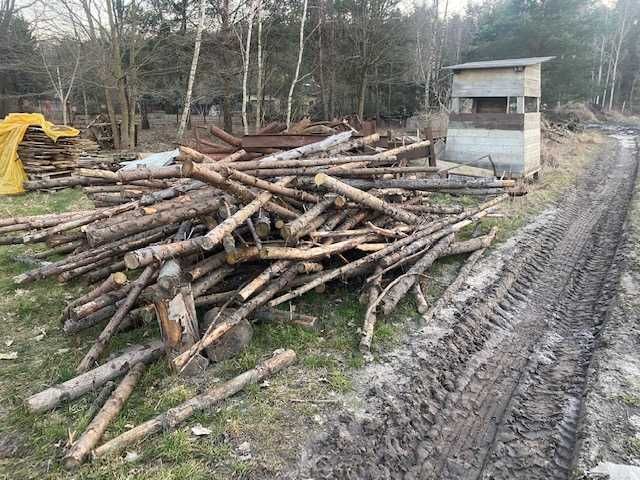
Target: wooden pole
<point x="89" y="439"/>
<point x="78" y="386"/>
<point x="364" y="198"/>
<point x="176" y="415"/>
<point x="112" y="327"/>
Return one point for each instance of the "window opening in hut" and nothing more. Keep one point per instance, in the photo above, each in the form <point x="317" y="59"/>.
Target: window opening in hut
<point x="491" y="105"/>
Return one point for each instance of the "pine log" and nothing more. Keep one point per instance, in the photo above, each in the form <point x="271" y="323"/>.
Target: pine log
<point x="134" y="317"/>
<point x="432" y="184"/>
<point x="252" y="181"/>
<point x="406" y="281"/>
<point x="351" y="171"/>
<point x="226" y="137"/>
<point x="310" y="162"/>
<point x="205" y="266"/>
<point x="62" y="182"/>
<point x="290" y="230"/>
<point x="239" y="191"/>
<point x="214" y="298"/>
<point x="366" y="199"/>
<point x="101" y="399"/>
<point x="99" y="235"/>
<point x="421" y="302"/>
<point x="211" y="279"/>
<point x="115" y="281"/>
<point x="95" y="304"/>
<point x="78" y="222"/>
<point x="206" y="400"/>
<point x="463" y="274"/>
<point x="273" y="270"/>
<point x="273" y="315"/>
<point x="469" y="246"/>
<point x="437" y="209"/>
<point x="352" y="144"/>
<point x="234" y="157"/>
<point x="370" y="316"/>
<point x="397" y="231"/>
<point x="78" y="386"/>
<point x="41" y="221"/>
<point x="86" y="257"/>
<point x="148" y="255"/>
<point x="262" y="224"/>
<point x="354" y="267"/>
<point x="89" y="439"/>
<point x="76" y="272"/>
<point x="112" y="327"/>
<point x="289" y="253"/>
<point x="100" y="273"/>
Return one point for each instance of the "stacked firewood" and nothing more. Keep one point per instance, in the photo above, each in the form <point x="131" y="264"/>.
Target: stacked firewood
<point x="243" y="237"/>
<point x="44" y="158"/>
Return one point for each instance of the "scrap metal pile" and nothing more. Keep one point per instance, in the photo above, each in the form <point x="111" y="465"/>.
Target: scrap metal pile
<point x="241" y="238"/>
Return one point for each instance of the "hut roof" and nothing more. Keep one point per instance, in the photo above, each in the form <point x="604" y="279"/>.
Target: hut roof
<point x="509" y="62"/>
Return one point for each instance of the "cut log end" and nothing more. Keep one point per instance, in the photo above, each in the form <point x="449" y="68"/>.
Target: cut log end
<point x="119" y="278"/>
<point x="320" y="179"/>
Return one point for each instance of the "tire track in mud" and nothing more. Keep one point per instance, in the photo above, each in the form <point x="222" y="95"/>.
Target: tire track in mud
<point x="495" y="390"/>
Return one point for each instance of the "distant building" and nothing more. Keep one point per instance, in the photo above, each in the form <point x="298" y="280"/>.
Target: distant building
<point x="495" y="115"/>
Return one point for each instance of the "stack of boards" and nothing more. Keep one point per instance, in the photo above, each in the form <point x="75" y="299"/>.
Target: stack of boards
<point x="45" y="159"/>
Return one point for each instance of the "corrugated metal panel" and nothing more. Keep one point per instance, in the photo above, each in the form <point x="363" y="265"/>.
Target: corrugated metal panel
<point x="510" y="62"/>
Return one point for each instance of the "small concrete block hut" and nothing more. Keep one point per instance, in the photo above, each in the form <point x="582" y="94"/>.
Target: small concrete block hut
<point x="495" y="112"/>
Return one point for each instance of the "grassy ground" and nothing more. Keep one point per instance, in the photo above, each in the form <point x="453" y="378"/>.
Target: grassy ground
<point x="273" y="418"/>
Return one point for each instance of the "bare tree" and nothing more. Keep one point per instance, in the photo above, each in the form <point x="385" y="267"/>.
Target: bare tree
<point x="192" y="73"/>
<point x="622" y="31"/>
<point x="298" y="64"/>
<point x="245" y="69"/>
<point x="260" y="66"/>
<point x="57" y="83"/>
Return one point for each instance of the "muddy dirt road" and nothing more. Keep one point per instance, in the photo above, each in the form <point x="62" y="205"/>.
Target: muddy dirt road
<point x="493" y="388"/>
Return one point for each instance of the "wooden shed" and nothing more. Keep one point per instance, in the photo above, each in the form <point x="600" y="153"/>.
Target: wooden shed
<point x="494" y="120"/>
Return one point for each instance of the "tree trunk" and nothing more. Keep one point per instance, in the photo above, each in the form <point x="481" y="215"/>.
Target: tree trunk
<point x="245" y="69"/>
<point x="226" y="67"/>
<point x="259" y="80"/>
<point x="186" y="110"/>
<point x="298" y="64"/>
<point x="362" y="94"/>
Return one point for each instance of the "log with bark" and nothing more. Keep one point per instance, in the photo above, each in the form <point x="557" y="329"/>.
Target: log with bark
<point x="78" y="386"/>
<point x="206" y="400"/>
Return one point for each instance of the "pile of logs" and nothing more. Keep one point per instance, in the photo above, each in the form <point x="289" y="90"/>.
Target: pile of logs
<point x="241" y="238"/>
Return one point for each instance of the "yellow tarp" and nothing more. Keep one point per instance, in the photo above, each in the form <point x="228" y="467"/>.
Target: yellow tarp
<point x="12" y="129"/>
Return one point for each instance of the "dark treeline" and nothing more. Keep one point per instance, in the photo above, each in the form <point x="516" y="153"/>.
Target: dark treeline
<point x="374" y="58"/>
